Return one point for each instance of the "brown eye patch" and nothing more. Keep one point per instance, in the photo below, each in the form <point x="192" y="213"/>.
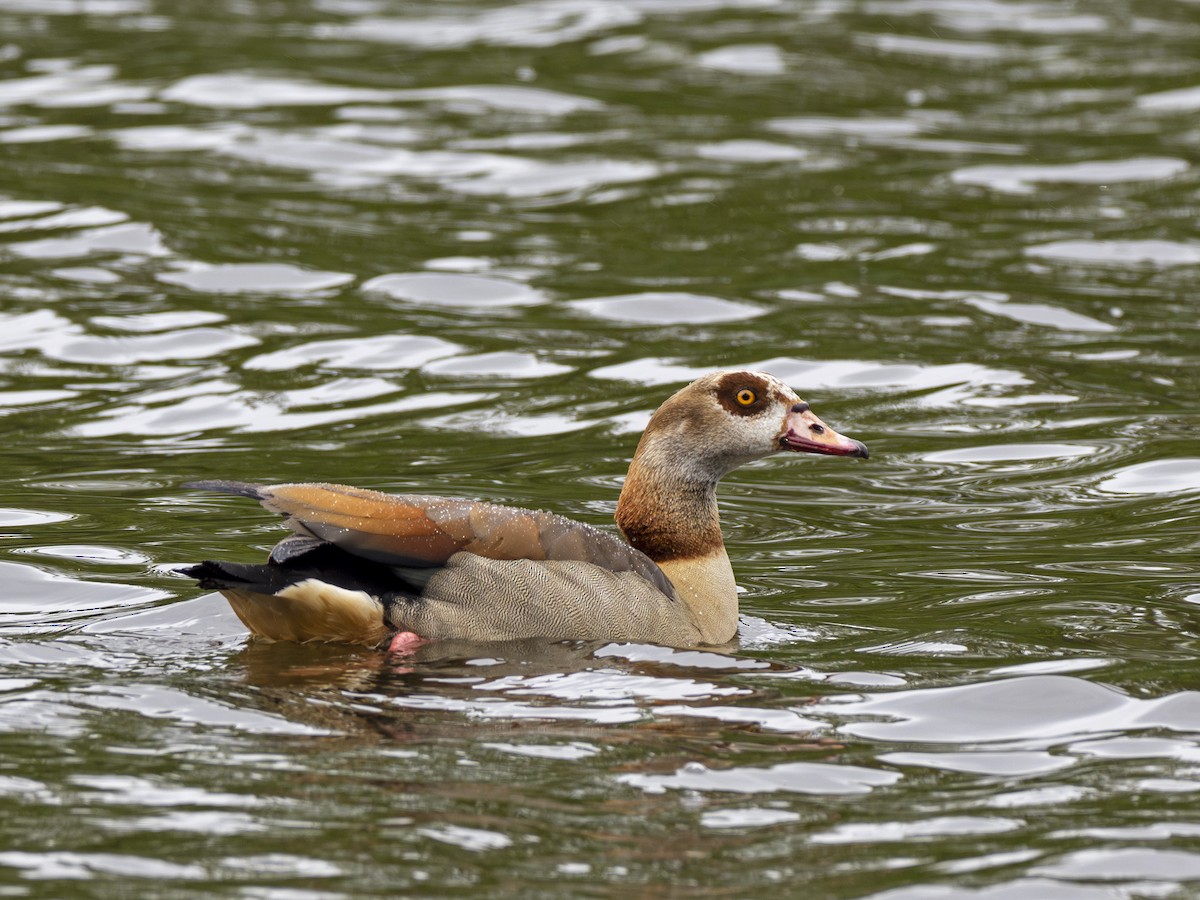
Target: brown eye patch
<point x="743" y="393"/>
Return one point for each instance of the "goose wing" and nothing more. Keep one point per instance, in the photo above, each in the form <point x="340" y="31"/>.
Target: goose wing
<point x="412" y="531"/>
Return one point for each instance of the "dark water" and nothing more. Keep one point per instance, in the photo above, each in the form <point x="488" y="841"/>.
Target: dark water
<point x="466" y="248"/>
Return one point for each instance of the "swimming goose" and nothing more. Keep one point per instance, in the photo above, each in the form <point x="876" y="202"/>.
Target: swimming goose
<point x="380" y="569"/>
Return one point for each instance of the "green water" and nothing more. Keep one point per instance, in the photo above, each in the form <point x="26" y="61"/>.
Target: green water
<point x="466" y="249"/>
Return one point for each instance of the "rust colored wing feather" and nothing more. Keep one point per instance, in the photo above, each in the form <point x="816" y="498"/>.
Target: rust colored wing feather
<point x="380" y="527"/>
<point x="414" y="530"/>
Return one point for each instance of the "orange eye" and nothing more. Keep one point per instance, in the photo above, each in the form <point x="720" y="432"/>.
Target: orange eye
<point x="746" y="397"/>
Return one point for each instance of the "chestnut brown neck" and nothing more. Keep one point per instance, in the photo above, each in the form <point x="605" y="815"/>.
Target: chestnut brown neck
<point x="668" y="511"/>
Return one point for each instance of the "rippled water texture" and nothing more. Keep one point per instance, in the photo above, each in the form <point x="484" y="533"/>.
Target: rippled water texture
<point x="467" y="248"/>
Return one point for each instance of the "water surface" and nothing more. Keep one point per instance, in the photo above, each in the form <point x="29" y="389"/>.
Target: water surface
<point x="467" y="248"/>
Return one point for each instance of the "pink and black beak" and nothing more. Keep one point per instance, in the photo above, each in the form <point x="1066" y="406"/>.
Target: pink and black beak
<point x="803" y="432"/>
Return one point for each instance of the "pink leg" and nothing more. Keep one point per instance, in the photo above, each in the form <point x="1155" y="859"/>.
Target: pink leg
<point x="406" y="642"/>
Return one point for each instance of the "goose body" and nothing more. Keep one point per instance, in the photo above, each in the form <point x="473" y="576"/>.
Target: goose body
<point x="367" y="567"/>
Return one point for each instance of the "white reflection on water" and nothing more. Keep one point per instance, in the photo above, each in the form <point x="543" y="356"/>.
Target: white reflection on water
<point x="1178" y="100"/>
<point x="159" y="702"/>
<point x="32" y="593"/>
<point x="744" y="59"/>
<point x="604" y="685"/>
<point x="982" y="53"/>
<point x="855" y="833"/>
<point x="43" y="134"/>
<point x="454" y="290"/>
<point x="351" y="158"/>
<point x="67" y="865"/>
<point x="495" y="365"/>
<point x="1121" y="863"/>
<point x="1017" y="889"/>
<point x="747" y="817"/>
<point x="496" y="708"/>
<point x="1139" y="748"/>
<point x="168" y="320"/>
<point x="473" y="839"/>
<point x="20" y="518"/>
<point x="957" y="381"/>
<point x="1010" y="453"/>
<point x="1017" y="178"/>
<point x="798" y="778"/>
<point x="492" y="420"/>
<point x="1031" y="16"/>
<point x="751" y="151"/>
<point x="1164" y="476"/>
<point x="769" y="720"/>
<point x="184" y="344"/>
<point x="1041" y="314"/>
<point x="275" y="278"/>
<point x="133" y="791"/>
<point x="220" y="406"/>
<point x="243" y="90"/>
<point x="540" y="23"/>
<point x="31" y="217"/>
<point x="136" y="239"/>
<point x="70" y="85"/>
<point x="570" y="751"/>
<point x="15" y="400"/>
<point x="1008" y="763"/>
<point x="867" y="127"/>
<point x="1148" y="252"/>
<point x="474" y="98"/>
<point x="381" y="353"/>
<point x="1000" y="711"/>
<point x="658" y="308"/>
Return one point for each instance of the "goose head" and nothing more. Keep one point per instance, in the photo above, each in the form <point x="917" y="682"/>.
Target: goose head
<point x="727" y="419"/>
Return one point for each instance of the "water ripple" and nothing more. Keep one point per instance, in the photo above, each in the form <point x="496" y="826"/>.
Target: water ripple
<point x="799" y="778"/>
<point x="997" y="711"/>
<point x="135" y="239"/>
<point x="275" y="278"/>
<point x="349" y="241"/>
<point x="1026" y="178"/>
<point x="541" y="23"/>
<point x="453" y="290"/>
<point x="666" y="308"/>
<point x="1157" y="477"/>
<point x="385" y="352"/>
<point x="1156" y="253"/>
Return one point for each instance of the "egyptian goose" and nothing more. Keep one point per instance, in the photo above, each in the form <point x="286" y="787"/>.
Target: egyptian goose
<point x="370" y="568"/>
